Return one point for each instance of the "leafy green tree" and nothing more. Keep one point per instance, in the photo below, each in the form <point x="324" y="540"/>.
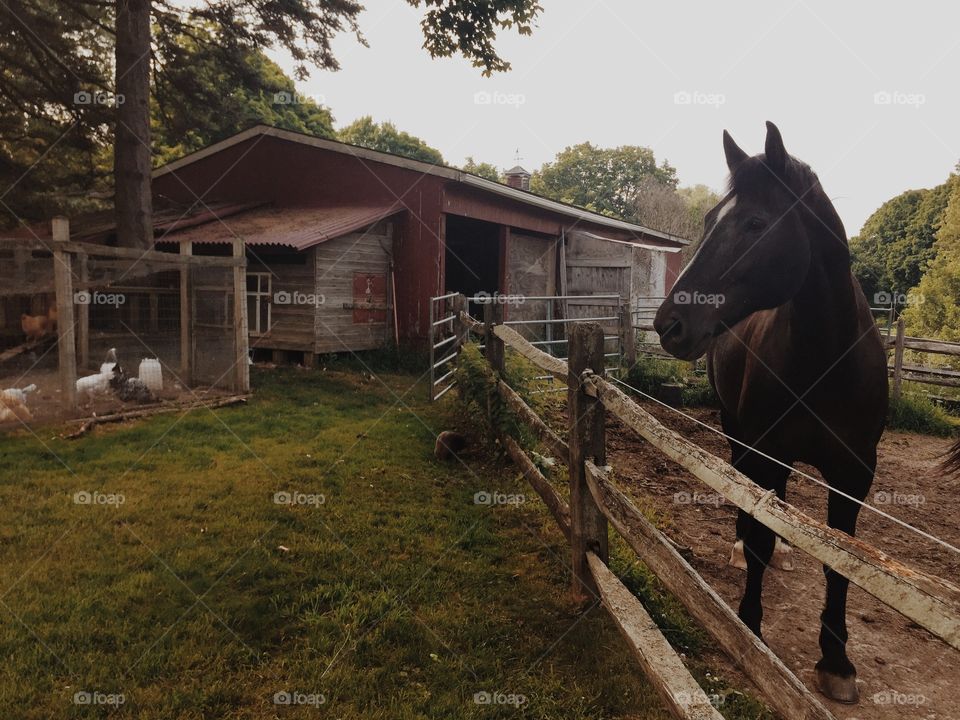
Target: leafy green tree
<point x="190" y="108"/>
<point x="386" y="138"/>
<point x="935" y="311"/>
<point x="605" y="180"/>
<point x="55" y="151"/>
<point x="896" y="242"/>
<point x="484" y="170"/>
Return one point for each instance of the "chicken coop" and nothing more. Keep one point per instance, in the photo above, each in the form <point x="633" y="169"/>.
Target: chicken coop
<point x="87" y="327"/>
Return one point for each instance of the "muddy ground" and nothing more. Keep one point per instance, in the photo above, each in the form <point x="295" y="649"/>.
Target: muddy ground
<point x="903" y="671"/>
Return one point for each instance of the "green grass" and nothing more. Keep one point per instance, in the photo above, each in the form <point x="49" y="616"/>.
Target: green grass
<point x="917" y="413"/>
<point x="397" y="597"/>
<point x="649" y="373"/>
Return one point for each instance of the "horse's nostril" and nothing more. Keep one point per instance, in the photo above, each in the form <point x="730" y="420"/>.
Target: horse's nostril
<point x="670" y="325"/>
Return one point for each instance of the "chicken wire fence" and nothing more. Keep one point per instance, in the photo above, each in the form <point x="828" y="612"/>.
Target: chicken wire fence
<point x="160" y="326"/>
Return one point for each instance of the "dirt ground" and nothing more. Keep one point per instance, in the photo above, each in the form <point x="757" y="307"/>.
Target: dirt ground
<point x="903" y="671"/>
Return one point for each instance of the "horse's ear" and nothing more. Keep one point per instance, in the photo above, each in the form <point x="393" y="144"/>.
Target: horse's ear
<point x="774" y="150"/>
<point x="734" y="154"/>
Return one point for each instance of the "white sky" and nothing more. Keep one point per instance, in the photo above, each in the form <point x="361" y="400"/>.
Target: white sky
<point x="608" y="71"/>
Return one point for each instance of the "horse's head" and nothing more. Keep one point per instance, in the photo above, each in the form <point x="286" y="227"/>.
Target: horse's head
<point x="754" y="253"/>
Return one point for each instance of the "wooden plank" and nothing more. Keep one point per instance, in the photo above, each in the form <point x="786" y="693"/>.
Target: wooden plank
<point x="66" y="341"/>
<point x="554" y="366"/>
<point x="932" y="346"/>
<point x="659" y="662"/>
<point x="929" y="601"/>
<point x="898" y="359"/>
<point x="586" y="441"/>
<point x="241" y="341"/>
<point x="555" y="504"/>
<point x="781" y="688"/>
<point x="526" y="413"/>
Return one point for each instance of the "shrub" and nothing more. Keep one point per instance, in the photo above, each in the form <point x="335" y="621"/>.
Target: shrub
<point x="649" y="373"/>
<point x="917" y="413"/>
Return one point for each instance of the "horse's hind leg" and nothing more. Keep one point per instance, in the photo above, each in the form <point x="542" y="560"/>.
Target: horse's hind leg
<point x="758" y="539"/>
<point x="836" y="675"/>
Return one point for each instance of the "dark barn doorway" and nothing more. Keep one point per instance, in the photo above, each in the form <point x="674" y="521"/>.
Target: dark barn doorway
<point x="472" y="257"/>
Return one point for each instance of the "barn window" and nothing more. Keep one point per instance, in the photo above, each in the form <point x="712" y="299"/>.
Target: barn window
<point x="258" y="303"/>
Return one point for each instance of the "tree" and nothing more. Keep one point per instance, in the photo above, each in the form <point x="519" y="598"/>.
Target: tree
<point x="605" y="180"/>
<point x="386" y="138"/>
<point x="484" y="170"/>
<point x="896" y="242"/>
<point x="191" y="109"/>
<point x="676" y="211"/>
<point x="934" y="310"/>
<point x="58" y="64"/>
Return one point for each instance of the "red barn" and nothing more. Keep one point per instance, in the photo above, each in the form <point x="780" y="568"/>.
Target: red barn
<point x="346" y="245"/>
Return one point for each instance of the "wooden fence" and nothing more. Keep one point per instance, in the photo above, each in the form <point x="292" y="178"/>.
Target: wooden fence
<point x="594" y="501"/>
<point x="918" y="373"/>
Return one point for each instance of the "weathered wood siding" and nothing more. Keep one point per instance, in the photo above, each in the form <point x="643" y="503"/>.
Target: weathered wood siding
<point x="337" y="264"/>
<point x="291" y="323"/>
<point x="531" y="272"/>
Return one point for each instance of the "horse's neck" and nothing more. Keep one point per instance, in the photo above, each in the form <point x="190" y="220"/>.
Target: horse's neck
<point x="824" y="313"/>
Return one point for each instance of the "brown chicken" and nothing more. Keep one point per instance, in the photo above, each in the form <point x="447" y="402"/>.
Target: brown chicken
<point x="34" y="326"/>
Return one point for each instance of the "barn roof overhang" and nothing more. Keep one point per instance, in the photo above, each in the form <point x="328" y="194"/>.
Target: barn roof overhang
<point x="364" y="154"/>
<point x="292" y="227"/>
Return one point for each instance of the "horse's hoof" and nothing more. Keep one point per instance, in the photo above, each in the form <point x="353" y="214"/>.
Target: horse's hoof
<point x="782" y="558"/>
<point x="737" y="558"/>
<point x="835" y="687"/>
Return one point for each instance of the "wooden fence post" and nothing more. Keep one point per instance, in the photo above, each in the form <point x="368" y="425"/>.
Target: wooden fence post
<point x="83" y="315"/>
<point x="588" y="526"/>
<point x="628" y="339"/>
<point x="66" y="340"/>
<point x="186" y="334"/>
<point x="241" y="340"/>
<point x="898" y="358"/>
<point x="493" y="346"/>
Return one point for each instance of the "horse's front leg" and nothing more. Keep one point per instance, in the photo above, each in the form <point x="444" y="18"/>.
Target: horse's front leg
<point x="758" y="539"/>
<point x="836" y="675"/>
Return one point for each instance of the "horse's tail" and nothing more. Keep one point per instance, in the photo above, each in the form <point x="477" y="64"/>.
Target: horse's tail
<point x="952" y="462"/>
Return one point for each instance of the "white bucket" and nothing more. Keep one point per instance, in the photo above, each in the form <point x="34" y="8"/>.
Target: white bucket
<point x="151" y="375"/>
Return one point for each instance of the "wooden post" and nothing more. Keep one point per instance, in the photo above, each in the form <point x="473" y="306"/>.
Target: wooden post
<point x="66" y="341"/>
<point x="493" y="315"/>
<point x="588" y="526"/>
<point x="458" y="304"/>
<point x="186" y="334"/>
<point x="898" y="358"/>
<point x="240" y="318"/>
<point x="83" y="316"/>
<point x="628" y="340"/>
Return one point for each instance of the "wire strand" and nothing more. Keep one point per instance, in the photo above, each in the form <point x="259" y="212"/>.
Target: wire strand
<point x="792" y="469"/>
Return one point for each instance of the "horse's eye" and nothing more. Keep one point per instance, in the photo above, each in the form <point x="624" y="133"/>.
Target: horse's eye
<point x="754" y="224"/>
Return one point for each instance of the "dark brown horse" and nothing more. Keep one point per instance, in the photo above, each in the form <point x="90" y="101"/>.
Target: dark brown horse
<point x="793" y="354"/>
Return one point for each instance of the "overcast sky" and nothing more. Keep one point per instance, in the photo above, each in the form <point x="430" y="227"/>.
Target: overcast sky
<point x="865" y="92"/>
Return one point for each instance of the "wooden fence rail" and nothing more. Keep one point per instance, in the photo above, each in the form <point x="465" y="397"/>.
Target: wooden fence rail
<point x="927" y="600"/>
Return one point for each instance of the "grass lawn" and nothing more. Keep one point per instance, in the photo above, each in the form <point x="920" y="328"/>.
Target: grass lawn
<point x="384" y="591"/>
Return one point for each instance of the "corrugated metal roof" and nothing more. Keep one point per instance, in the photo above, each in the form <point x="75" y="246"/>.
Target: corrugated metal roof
<point x="298" y="228"/>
